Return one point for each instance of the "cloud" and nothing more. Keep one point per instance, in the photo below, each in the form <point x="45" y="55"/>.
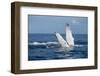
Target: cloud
<point x="75" y="22"/>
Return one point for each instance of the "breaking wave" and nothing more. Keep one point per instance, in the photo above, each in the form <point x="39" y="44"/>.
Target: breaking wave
<point x="48" y="45"/>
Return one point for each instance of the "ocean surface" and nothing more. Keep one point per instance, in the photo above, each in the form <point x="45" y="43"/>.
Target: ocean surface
<point x="46" y="47"/>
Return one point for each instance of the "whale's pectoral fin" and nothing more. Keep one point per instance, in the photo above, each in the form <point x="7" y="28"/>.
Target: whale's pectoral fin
<point x="61" y="40"/>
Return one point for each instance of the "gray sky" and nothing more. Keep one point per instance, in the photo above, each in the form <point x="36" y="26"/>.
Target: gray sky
<point x="51" y="24"/>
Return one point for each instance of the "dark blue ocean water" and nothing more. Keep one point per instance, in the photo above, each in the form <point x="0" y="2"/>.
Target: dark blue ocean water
<point x="46" y="47"/>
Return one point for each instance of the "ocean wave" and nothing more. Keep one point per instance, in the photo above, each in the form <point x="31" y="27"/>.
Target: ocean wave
<point x="79" y="45"/>
<point x="43" y="43"/>
<point x="49" y="45"/>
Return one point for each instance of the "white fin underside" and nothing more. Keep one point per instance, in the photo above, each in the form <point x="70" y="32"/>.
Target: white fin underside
<point x="62" y="42"/>
<point x="69" y="38"/>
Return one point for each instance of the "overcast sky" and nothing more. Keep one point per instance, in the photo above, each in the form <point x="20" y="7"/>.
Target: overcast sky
<point x="51" y="24"/>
